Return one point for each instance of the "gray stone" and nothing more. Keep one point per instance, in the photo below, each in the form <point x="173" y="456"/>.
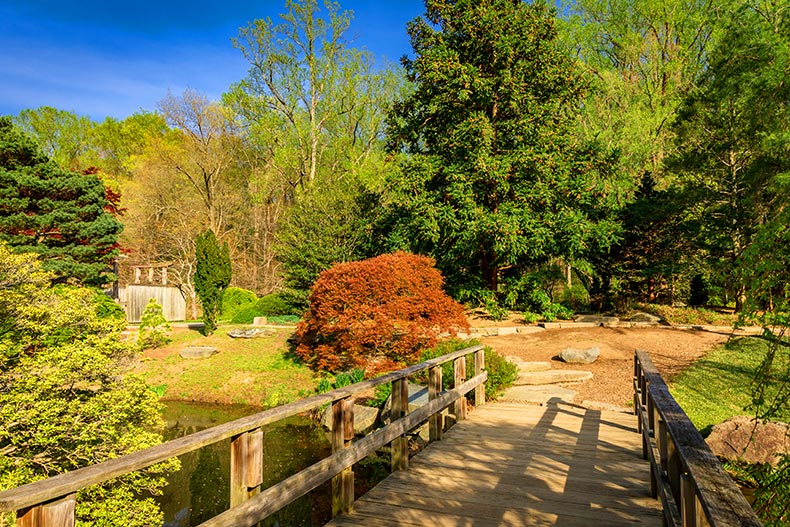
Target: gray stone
<point x="585" y="356"/>
<point x="365" y="418"/>
<point x="531" y="329"/>
<point x="250" y="333"/>
<point x="742" y="438"/>
<point x="418" y="397"/>
<point x="539" y="394"/>
<point x="532" y="378"/>
<point x="646" y="317"/>
<point x="198" y="352"/>
<point x="529" y="365"/>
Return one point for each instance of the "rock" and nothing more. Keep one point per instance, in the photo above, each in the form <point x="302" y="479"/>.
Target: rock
<point x="646" y="317"/>
<point x="418" y="397"/>
<point x="259" y="321"/>
<point x="533" y="378"/>
<point x="742" y="438"/>
<point x="585" y="356"/>
<point x="365" y="418"/>
<point x="539" y="394"/>
<point x="198" y="352"/>
<point x="529" y="366"/>
<point x="250" y="333"/>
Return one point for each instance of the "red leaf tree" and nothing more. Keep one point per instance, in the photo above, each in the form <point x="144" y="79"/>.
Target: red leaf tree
<point x="376" y="314"/>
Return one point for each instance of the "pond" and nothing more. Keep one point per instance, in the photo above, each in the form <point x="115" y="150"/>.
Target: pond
<point x="199" y="490"/>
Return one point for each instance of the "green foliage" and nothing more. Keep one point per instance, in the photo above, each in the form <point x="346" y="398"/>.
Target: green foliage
<point x="771" y="489"/>
<point x="501" y="372"/>
<point x="274" y="306"/>
<point x="376" y="314"/>
<point x="61" y="366"/>
<point x="154" y="331"/>
<point x="212" y="276"/>
<point x="381" y="393"/>
<point x="57" y="214"/>
<point x="491" y="181"/>
<point x="234" y="299"/>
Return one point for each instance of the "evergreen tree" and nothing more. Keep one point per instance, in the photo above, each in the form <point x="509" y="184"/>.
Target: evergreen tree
<point x="55" y="213"/>
<point x="212" y="276"/>
<point x="491" y="180"/>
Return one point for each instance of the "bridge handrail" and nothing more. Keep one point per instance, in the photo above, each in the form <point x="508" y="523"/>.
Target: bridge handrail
<point x="691" y="482"/>
<point x="246" y="439"/>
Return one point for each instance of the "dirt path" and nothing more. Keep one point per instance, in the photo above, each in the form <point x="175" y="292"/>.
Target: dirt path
<point x="671" y="351"/>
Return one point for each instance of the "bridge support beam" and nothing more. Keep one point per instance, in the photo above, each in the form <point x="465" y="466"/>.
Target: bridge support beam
<point x="399" y="409"/>
<point x="246" y="466"/>
<point x="480" y="365"/>
<point x="342" y="434"/>
<point x="436" y="421"/>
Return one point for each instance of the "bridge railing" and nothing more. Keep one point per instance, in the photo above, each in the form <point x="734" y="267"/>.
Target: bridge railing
<point x="694" y="489"/>
<point x="51" y="502"/>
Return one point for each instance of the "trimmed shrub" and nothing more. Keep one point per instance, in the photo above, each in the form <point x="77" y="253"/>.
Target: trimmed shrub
<point x="154" y="331"/>
<point x="272" y="305"/>
<point x="501" y="372"/>
<point x="235" y="299"/>
<point x="376" y="314"/>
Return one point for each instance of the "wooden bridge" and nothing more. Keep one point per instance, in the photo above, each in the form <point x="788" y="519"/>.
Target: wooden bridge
<point x="503" y="464"/>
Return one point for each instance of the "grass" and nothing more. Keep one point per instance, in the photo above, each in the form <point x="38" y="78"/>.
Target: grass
<point x="689" y="316"/>
<point x="720" y="385"/>
<point x="257" y="372"/>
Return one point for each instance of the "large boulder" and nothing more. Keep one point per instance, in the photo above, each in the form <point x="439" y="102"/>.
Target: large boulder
<point x="744" y="439"/>
<point x="585" y="356"/>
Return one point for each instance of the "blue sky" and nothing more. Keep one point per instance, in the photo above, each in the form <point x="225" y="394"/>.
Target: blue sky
<point x="112" y="59"/>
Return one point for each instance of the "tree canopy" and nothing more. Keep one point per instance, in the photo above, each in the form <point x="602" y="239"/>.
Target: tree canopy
<point x="491" y="180"/>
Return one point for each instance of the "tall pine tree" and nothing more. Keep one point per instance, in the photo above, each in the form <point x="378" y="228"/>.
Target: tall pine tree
<point x="491" y="181"/>
<point x="55" y="213"/>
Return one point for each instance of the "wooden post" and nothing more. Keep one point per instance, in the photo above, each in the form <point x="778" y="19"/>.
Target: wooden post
<point x="246" y="466"/>
<point x="460" y="376"/>
<point x="164" y="275"/>
<point x="151" y="275"/>
<point x="435" y="423"/>
<point x="674" y="470"/>
<point x="688" y="503"/>
<point x="342" y="434"/>
<point x="56" y="513"/>
<point x="480" y="365"/>
<point x="137" y="271"/>
<point x="399" y="408"/>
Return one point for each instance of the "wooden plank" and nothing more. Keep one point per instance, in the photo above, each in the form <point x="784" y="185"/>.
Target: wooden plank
<point x="436" y="422"/>
<point x="399" y="408"/>
<point x="459" y="371"/>
<point x="480" y="364"/>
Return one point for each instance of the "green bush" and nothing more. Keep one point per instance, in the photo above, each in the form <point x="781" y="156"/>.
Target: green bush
<point x="272" y="305"/>
<point x="501" y="372"/>
<point x="154" y="331"/>
<point x="234" y="299"/>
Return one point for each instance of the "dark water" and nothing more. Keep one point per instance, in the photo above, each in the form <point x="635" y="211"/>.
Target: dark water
<point x="200" y="490"/>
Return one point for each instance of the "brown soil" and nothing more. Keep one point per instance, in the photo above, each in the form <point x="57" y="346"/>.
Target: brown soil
<point x="671" y="350"/>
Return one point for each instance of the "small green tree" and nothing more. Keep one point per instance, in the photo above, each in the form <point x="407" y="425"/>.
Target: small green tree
<point x="212" y="276"/>
<point x="154" y="331"/>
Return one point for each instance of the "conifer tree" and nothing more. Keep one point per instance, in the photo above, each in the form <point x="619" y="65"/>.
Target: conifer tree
<point x="57" y="214"/>
<point x="212" y="276"/>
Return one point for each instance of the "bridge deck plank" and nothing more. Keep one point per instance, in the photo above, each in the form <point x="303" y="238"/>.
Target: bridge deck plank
<point x="520" y="465"/>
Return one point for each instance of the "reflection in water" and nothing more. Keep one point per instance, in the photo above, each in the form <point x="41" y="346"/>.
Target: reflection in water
<point x="199" y="490"/>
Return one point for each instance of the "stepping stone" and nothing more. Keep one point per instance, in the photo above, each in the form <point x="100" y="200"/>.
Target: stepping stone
<point x="532" y="378"/>
<point x="539" y="394"/>
<point x="529" y="366"/>
<point x="197" y="352"/>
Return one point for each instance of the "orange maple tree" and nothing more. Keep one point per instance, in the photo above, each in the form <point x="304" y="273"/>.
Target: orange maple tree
<point x="376" y="314"/>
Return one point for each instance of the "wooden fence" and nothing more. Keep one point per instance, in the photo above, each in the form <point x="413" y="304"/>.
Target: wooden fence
<point x="694" y="489"/>
<point x="51" y="502"/>
<point x="134" y="298"/>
